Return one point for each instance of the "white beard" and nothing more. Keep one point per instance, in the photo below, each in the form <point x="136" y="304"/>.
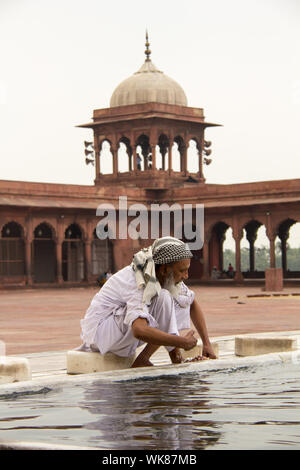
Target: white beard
<point x="170" y="285"/>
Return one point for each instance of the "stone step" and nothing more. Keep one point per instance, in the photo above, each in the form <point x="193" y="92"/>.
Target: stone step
<point x="14" y="369"/>
<point x="254" y="346"/>
<point x="81" y="362"/>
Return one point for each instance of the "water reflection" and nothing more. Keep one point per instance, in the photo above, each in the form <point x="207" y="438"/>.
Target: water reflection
<point x="157" y="414"/>
<point x="253" y="408"/>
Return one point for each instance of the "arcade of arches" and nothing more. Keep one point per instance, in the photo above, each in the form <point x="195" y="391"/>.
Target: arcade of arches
<point x="63" y="250"/>
<point x="176" y="154"/>
<point x="44" y="257"/>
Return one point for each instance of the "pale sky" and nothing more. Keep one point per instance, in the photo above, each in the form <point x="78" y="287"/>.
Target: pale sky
<point x="237" y="59"/>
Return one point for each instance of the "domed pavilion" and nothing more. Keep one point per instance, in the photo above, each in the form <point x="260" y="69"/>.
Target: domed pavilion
<point x="150" y="120"/>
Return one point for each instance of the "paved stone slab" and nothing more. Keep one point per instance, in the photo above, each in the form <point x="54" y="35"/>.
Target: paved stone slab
<point x="80" y="362"/>
<point x="14" y="369"/>
<point x="6" y="379"/>
<point x="253" y="346"/>
<point x="38" y="320"/>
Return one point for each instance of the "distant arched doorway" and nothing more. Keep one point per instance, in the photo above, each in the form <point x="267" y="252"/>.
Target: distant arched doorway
<point x="44" y="261"/>
<point x="196" y="266"/>
<point x="12" y="250"/>
<point x="216" y="258"/>
<point x="288" y="248"/>
<point x="102" y="256"/>
<point x="73" y="254"/>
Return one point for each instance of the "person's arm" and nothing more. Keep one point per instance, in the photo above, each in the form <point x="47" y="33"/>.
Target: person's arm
<point x="142" y="331"/>
<point x="198" y="320"/>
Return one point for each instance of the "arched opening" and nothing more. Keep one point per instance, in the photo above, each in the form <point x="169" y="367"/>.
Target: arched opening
<point x="102" y="256"/>
<point x="106" y="158"/>
<point x="245" y="254"/>
<point x="229" y="261"/>
<point x="193" y="157"/>
<point x="216" y="256"/>
<point x="293" y="252"/>
<point x="73" y="254"/>
<point x="178" y="153"/>
<point x="143" y="153"/>
<point x="175" y="157"/>
<point x="125" y="162"/>
<point x="262" y="251"/>
<point x="256" y="248"/>
<point x="287" y="248"/>
<point x="162" y="153"/>
<point x="12" y="250"/>
<point x="44" y="260"/>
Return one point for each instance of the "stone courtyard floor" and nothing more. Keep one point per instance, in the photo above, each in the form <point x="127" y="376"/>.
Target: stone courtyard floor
<point x="46" y="319"/>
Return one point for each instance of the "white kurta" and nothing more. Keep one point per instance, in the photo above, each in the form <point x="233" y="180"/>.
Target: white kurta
<point x="107" y="322"/>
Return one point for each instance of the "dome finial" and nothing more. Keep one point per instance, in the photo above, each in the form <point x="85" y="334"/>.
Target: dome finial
<point x="147" y="51"/>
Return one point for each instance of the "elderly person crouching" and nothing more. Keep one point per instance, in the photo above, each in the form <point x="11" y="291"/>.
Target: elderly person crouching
<point x="147" y="302"/>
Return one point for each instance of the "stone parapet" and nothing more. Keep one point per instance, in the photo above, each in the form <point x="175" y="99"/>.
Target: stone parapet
<point x="254" y="346"/>
<point x="14" y="369"/>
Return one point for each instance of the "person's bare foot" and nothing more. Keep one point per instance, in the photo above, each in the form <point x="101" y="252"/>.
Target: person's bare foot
<point x="139" y="362"/>
<point x="175" y="356"/>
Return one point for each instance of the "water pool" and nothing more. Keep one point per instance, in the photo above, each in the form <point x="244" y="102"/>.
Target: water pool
<point x="244" y="408"/>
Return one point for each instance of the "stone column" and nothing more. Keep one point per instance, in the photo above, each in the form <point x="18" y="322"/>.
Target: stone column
<point x="170" y="159"/>
<point x="251" y="237"/>
<point x="28" y="249"/>
<point x="153" y="152"/>
<point x="271" y="236"/>
<point x="272" y="251"/>
<point x="238" y="235"/>
<point x="200" y="156"/>
<point x="171" y="142"/>
<point x="58" y="249"/>
<point x="97" y="164"/>
<point x="283" y="239"/>
<point x="206" y="275"/>
<point x="251" y="255"/>
<point x="129" y="160"/>
<point x="114" y="152"/>
<point x="28" y="258"/>
<point x="134" y="157"/>
<point x="88" y="258"/>
<point x="183" y="158"/>
<point x="97" y="157"/>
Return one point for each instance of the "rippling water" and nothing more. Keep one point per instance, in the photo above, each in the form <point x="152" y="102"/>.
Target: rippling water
<point x="251" y="408"/>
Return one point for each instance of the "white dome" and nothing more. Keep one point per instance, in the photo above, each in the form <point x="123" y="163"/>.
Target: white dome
<point x="148" y="85"/>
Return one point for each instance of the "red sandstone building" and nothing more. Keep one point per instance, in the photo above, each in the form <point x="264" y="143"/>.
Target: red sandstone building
<point x="48" y="231"/>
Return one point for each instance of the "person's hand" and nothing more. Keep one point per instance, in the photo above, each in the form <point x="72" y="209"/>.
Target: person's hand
<point x="196" y="359"/>
<point x="207" y="351"/>
<point x="189" y="340"/>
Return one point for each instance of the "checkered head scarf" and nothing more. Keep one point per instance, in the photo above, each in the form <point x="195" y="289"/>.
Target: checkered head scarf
<point x="163" y="251"/>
